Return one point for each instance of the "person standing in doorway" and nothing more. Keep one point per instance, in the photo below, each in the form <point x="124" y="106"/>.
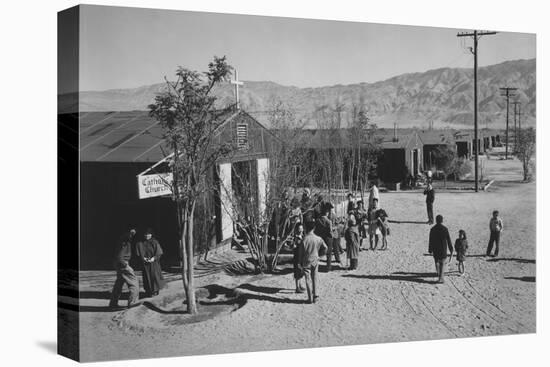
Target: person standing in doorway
<point x="149" y="252"/>
<point x="309" y="260"/>
<point x="495" y="228"/>
<point x="124" y="272"/>
<point x="439" y="242"/>
<point x="430" y="198"/>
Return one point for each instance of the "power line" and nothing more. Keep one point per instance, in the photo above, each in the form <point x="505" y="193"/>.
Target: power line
<point x="476" y="35"/>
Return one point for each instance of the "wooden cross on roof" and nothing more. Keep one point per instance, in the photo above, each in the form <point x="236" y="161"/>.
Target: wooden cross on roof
<point x="237" y="82"/>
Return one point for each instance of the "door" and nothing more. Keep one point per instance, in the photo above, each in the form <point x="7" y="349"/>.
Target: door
<point x="415" y="162"/>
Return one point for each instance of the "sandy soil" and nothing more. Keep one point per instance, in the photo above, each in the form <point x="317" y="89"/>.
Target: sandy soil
<point x="391" y="297"/>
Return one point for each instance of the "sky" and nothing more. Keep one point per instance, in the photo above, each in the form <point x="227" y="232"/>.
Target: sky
<point x="132" y="47"/>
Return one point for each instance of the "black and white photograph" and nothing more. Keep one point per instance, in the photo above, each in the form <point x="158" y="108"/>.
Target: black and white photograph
<point x="249" y="183"/>
<point x="274" y="183"/>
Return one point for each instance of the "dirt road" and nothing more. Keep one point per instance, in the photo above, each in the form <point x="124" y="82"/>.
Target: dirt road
<point x="391" y="297"/>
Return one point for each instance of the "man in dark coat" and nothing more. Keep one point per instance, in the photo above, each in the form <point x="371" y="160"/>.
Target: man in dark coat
<point x="279" y="220"/>
<point x="124" y="272"/>
<point x="323" y="229"/>
<point x="318" y="207"/>
<point x="306" y="205"/>
<point x="149" y="252"/>
<point x="430" y="198"/>
<point x="440" y="241"/>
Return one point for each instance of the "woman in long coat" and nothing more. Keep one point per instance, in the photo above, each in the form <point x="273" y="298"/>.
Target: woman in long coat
<point x="149" y="252"/>
<point x="298" y="241"/>
<point x="352" y="243"/>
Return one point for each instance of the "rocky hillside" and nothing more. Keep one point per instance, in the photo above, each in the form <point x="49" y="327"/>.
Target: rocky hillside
<point x="444" y="96"/>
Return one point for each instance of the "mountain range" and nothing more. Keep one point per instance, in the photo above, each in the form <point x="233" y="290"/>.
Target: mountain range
<point x="441" y="97"/>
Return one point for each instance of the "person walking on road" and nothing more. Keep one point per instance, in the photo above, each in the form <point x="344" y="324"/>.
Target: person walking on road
<point x="461" y="247"/>
<point x="495" y="227"/>
<point x="440" y="241"/>
<point x="308" y="254"/>
<point x="430" y="198"/>
<point x="124" y="272"/>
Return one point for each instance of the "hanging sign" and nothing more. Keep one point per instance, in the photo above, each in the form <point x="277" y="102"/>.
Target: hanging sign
<point x="158" y="184"/>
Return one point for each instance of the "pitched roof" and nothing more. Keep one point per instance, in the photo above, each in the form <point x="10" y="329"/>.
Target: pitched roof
<point x="131" y="136"/>
<point x="340" y="138"/>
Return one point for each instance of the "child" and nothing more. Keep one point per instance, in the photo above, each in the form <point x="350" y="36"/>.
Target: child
<point x="298" y="274"/>
<point x="495" y="226"/>
<point x="337" y="231"/>
<point x="382" y="218"/>
<point x="374" y="231"/>
<point x="461" y="247"/>
<point x="362" y="221"/>
<point x="352" y="243"/>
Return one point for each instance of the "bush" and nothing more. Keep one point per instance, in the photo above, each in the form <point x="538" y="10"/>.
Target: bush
<point x="460" y="168"/>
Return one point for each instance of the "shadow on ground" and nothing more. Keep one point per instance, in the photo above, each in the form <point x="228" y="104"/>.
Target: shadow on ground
<point x="407" y="221"/>
<point x="521" y="261"/>
<point x="238" y="296"/>
<point x="523" y="279"/>
<point x="94" y="294"/>
<point x="399" y="276"/>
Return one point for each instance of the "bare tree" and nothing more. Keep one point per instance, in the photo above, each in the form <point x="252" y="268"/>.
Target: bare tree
<point x="187" y="114"/>
<point x="365" y="147"/>
<point x="289" y="165"/>
<point x="527" y="139"/>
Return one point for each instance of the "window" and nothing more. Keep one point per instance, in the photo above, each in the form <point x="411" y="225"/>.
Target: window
<point x="242" y="136"/>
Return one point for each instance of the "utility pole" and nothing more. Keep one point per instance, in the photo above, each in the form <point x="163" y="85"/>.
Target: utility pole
<point x="516" y="105"/>
<point x="476" y="35"/>
<point x="519" y="118"/>
<point x="519" y="122"/>
<point x="507" y="92"/>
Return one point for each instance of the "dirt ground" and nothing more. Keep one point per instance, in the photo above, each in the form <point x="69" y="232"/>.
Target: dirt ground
<point x="391" y="297"/>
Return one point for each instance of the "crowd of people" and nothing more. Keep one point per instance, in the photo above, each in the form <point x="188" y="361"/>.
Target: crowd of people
<point x="318" y="231"/>
<point x="321" y="232"/>
<point x="312" y="230"/>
